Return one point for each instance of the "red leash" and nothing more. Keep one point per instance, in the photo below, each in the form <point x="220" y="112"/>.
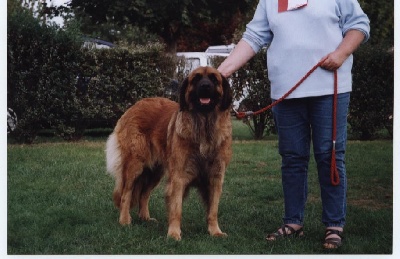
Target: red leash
<point x="334" y="172"/>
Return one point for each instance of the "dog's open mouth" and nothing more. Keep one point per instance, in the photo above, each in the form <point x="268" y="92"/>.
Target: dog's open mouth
<point x="205" y="101"/>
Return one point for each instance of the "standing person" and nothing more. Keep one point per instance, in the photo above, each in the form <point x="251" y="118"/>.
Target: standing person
<point x="302" y="33"/>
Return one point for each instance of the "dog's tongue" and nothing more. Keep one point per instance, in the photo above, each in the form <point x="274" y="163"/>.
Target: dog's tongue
<point x="205" y="100"/>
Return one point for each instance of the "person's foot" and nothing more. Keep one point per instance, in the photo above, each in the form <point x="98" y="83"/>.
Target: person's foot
<point x="288" y="230"/>
<point x="333" y="237"/>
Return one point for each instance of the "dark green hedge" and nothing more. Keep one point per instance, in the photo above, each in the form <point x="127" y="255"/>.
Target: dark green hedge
<point x="42" y="66"/>
<point x="371" y="106"/>
<point x="55" y="83"/>
<point x="117" y="78"/>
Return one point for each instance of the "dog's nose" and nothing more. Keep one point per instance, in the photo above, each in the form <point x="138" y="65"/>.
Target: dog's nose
<point x="205" y="84"/>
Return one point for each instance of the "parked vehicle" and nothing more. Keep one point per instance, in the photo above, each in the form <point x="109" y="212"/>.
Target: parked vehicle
<point x="196" y="59"/>
<point x="92" y="43"/>
<point x="220" y="49"/>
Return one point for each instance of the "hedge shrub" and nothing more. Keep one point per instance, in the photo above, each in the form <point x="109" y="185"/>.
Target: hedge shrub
<point x="371" y="106"/>
<point x="254" y="76"/>
<point x="55" y="83"/>
<point x="42" y="66"/>
<point x="121" y="76"/>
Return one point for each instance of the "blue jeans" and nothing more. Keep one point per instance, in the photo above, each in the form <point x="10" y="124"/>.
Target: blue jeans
<point x="298" y="122"/>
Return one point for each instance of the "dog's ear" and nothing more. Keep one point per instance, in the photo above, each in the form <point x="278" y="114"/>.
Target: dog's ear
<point x="182" y="93"/>
<point x="227" y="96"/>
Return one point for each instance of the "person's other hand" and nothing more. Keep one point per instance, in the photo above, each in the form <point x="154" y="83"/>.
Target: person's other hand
<point x="333" y="60"/>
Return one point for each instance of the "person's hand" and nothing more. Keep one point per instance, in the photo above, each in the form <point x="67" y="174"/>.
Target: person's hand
<point x="349" y="44"/>
<point x="333" y="60"/>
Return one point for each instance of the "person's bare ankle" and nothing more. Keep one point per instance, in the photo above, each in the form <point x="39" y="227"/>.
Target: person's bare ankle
<point x="295" y="226"/>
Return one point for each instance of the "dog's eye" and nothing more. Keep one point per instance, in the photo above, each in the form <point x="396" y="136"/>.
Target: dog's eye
<point x="213" y="79"/>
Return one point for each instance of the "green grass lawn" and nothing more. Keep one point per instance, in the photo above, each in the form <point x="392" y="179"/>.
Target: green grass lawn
<point x="59" y="202"/>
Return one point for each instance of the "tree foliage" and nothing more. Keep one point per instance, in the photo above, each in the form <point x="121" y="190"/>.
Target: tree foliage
<point x="253" y="79"/>
<point x="381" y="15"/>
<point x="169" y="19"/>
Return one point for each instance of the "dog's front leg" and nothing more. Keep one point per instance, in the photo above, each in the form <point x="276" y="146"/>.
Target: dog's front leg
<point x="174" y="196"/>
<point x="216" y="182"/>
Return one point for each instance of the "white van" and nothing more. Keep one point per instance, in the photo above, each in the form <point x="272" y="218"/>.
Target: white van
<point x="196" y="59"/>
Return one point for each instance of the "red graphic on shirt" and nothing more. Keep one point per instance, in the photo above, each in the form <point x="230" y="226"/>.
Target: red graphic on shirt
<point x="288" y="5"/>
<point x="282" y="5"/>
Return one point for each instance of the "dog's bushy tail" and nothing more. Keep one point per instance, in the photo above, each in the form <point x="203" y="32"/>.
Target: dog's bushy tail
<point x="114" y="166"/>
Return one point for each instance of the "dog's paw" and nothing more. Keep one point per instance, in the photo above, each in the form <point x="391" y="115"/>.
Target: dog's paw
<point x="215" y="231"/>
<point x="219" y="234"/>
<point x="125" y="220"/>
<point x="150" y="220"/>
<point x="175" y="235"/>
<point x="147" y="218"/>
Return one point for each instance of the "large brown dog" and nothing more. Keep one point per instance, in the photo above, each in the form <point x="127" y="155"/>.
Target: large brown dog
<point x="189" y="141"/>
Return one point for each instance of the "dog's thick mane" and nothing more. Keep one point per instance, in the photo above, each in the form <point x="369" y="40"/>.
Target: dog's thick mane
<point x="202" y="126"/>
<point x="201" y="129"/>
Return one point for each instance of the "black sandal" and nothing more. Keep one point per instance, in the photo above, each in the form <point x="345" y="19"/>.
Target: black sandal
<point x="334" y="241"/>
<point x="285" y="234"/>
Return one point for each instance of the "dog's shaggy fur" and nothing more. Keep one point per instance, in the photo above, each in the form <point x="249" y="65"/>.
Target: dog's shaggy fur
<point x="189" y="141"/>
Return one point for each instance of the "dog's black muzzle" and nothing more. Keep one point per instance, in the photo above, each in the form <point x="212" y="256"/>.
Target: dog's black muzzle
<point x="205" y="88"/>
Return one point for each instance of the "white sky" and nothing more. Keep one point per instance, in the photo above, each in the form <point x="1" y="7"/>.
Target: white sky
<point x="58" y="2"/>
<point x="58" y="20"/>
